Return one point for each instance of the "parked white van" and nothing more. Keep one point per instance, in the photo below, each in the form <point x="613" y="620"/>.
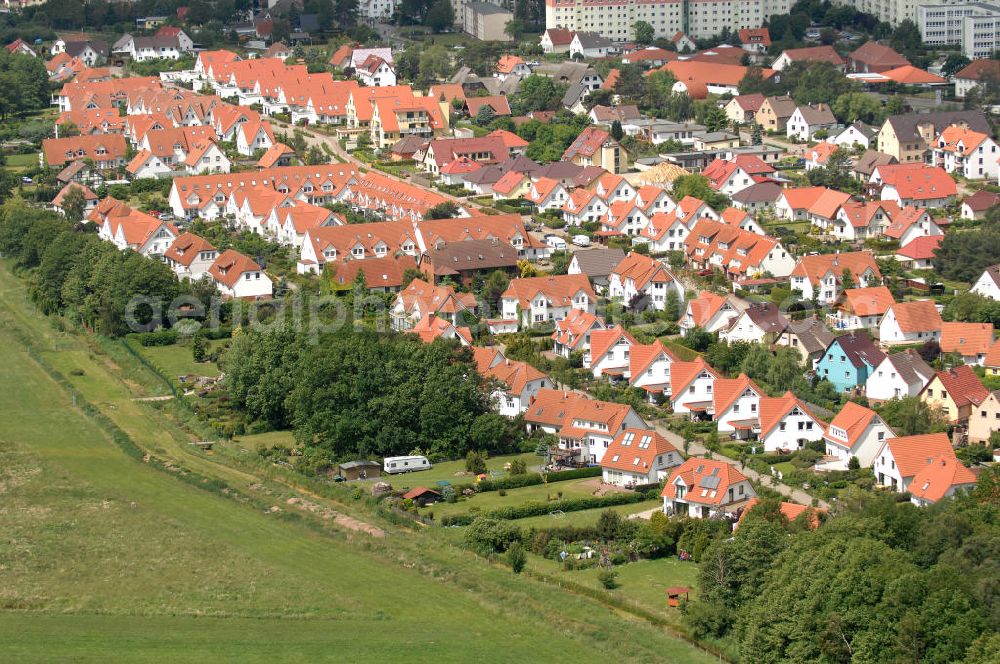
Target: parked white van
<point x="555" y="242"/>
<point x="581" y="240"/>
<point x="405" y="464"/>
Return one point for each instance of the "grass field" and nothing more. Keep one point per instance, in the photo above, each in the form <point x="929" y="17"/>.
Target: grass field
<point x="21" y="162"/>
<point x="492" y="500"/>
<point x="176" y="360"/>
<point x="583" y="517"/>
<point x="644" y="582"/>
<point x="104" y="558"/>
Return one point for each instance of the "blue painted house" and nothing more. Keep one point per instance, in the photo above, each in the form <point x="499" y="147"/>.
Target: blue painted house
<point x="849" y="360"/>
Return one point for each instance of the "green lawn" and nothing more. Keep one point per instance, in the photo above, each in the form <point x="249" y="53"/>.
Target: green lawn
<point x="104" y="558"/>
<point x="584" y="517"/>
<point x="176" y="360"/>
<point x="492" y="500"/>
<point x="270" y="439"/>
<point x="454" y="471"/>
<point x="21" y="162"/>
<point x="643" y="582"/>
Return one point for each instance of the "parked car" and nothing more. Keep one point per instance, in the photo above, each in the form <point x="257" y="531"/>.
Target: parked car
<point x="581" y="240"/>
<point x="555" y="242"/>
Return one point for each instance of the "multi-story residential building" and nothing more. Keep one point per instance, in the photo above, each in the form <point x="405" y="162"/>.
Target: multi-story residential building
<point x="980" y="35"/>
<point x="486" y="21"/>
<point x="944" y="24"/>
<point x="699" y="19"/>
<point x="909" y="136"/>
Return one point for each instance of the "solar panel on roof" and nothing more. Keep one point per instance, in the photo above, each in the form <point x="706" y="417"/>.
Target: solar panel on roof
<point x="709" y="482"/>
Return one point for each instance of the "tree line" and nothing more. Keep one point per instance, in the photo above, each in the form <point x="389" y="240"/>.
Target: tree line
<point x="881" y="581"/>
<point x="356" y="393"/>
<point x="72" y="271"/>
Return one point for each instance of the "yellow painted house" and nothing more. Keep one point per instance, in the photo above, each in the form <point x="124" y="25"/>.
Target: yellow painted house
<point x="954" y="393"/>
<point x="985" y="419"/>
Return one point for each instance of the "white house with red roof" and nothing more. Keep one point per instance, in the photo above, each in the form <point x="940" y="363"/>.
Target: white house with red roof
<point x="612" y="188"/>
<point x="239" y="276"/>
<point x="547" y="194"/>
<point x="915" y="184"/>
<point x="590" y="426"/>
<point x="288" y="225"/>
<point x="692" y="387"/>
<point x="971" y="154"/>
<point x="988" y="283"/>
<point x="704" y="488"/>
<point x="624" y="218"/>
<point x="741" y="219"/>
<point x="942" y="477"/>
<point x="637" y="457"/>
<point x="573" y="334"/>
<point x="668" y="230"/>
<point x="610" y="351"/>
<point x="825" y="273"/>
<point x="910" y="322"/>
<point x="857" y="220"/>
<point x="138" y="231"/>
<point x="856" y="431"/>
<point x="740" y="254"/>
<point x="583" y="206"/>
<point x="736" y="406"/>
<point x="641" y="282"/>
<point x="861" y="308"/>
<point x="898" y="460"/>
<point x="253" y="136"/>
<point x="919" y="254"/>
<point x="511" y="65"/>
<point x="376" y="72"/>
<point x="649" y="368"/>
<point x="431" y="327"/>
<point x="710" y="312"/>
<point x="911" y="223"/>
<point x="420" y="298"/>
<point x="786" y="423"/>
<point x="190" y="256"/>
<point x="533" y="300"/>
<point x="517" y="383"/>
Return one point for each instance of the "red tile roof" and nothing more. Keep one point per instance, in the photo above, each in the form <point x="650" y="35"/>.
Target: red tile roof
<point x="976" y="69"/>
<point x="966" y="339"/>
<point x="230" y="266"/>
<point x="817" y="266"/>
<point x="874" y="301"/>
<point x="635" y="451"/>
<point x="726" y="391"/>
<point x="853" y="419"/>
<point x="921" y="248"/>
<point x="791" y="511"/>
<point x="911" y="453"/>
<point x="962" y="385"/>
<point x="918" y="181"/>
<point x="696" y="474"/>
<point x="917" y="316"/>
<point x="186" y="248"/>
<point x="815" y="54"/>
<point x="933" y="481"/>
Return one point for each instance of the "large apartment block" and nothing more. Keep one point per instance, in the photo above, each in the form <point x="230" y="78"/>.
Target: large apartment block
<point x="699" y="19"/>
<point x="973" y="25"/>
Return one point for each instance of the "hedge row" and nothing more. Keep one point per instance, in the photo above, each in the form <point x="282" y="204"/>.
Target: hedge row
<point x="541" y="509"/>
<point x="531" y="479"/>
<point x="160" y="338"/>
